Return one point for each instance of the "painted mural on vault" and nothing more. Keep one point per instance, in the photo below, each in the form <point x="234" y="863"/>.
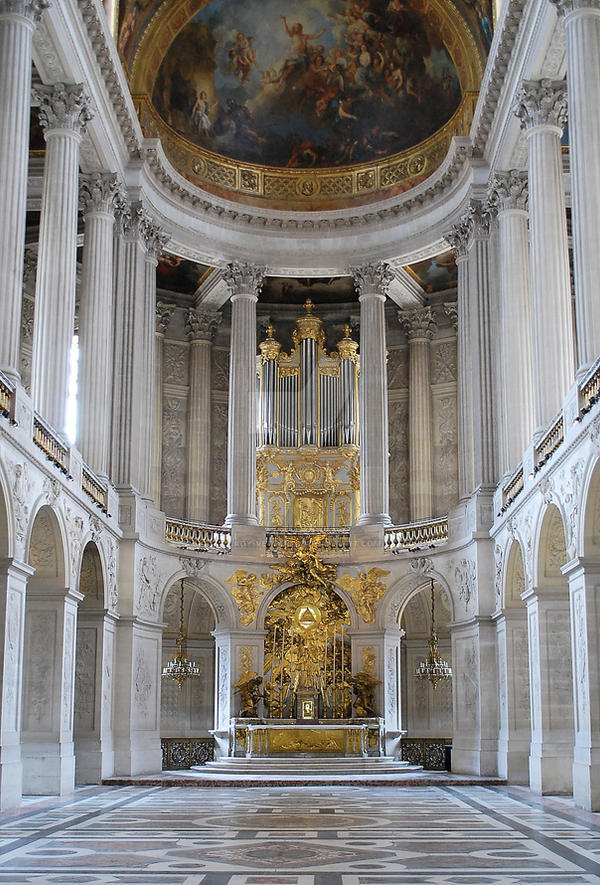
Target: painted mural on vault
<point x="307" y="84"/>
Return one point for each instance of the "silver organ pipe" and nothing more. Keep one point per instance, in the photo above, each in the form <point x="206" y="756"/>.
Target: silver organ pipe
<point x="309" y="394"/>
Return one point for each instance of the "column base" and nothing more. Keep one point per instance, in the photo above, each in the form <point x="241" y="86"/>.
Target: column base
<point x="586" y="778"/>
<point x="551" y="770"/>
<point x="11" y="777"/>
<point x="483" y="763"/>
<point x="48" y="768"/>
<point x="132" y="760"/>
<point x="93" y="761"/>
<point x="513" y="760"/>
<point x="233" y="519"/>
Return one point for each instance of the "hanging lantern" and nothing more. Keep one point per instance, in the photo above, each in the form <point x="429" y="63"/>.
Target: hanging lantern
<point x="433" y="668"/>
<point x="179" y="668"/>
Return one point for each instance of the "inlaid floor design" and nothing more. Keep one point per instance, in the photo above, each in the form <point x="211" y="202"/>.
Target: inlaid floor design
<point x="437" y="835"/>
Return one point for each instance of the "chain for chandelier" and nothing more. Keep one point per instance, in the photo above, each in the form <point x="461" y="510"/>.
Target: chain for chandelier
<point x="179" y="667"/>
<point x="433" y="668"/>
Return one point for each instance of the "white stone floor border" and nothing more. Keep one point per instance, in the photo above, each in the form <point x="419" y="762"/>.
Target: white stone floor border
<point x="435" y="835"/>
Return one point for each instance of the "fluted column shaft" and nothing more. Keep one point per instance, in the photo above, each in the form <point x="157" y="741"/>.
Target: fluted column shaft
<point x="163" y="317"/>
<point x="372" y="282"/>
<point x="420" y="327"/>
<point x="201" y="327"/>
<point x="138" y="243"/>
<point x="64" y="112"/>
<point x="582" y="26"/>
<point x="517" y="422"/>
<point x="17" y="22"/>
<point x="541" y="108"/>
<point x="243" y="281"/>
<point x="96" y="317"/>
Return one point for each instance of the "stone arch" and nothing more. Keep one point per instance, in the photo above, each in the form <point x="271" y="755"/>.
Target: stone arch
<point x="391" y="607"/>
<point x="268" y="597"/>
<point x="7" y="533"/>
<point x="514" y="577"/>
<point x="187" y="713"/>
<point x="590" y="528"/>
<point x="47" y="548"/>
<point x="216" y="596"/>
<point x="551" y="549"/>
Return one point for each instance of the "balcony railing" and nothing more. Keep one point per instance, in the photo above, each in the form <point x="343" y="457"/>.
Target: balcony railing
<point x="92" y="487"/>
<point x="281" y="542"/>
<point x="205" y="538"/>
<point x="590" y="389"/>
<point x="6" y="395"/>
<point x="550" y="442"/>
<point x="403" y="538"/>
<point x="54" y="449"/>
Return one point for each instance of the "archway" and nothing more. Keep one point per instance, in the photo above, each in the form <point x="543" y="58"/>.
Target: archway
<point x="552" y="731"/>
<point x="48" y="671"/>
<point x="513" y="674"/>
<point x="426" y="711"/>
<point x="94" y="666"/>
<point x="187" y="713"/>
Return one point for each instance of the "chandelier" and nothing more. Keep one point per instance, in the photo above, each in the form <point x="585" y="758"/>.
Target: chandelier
<point x="433" y="667"/>
<point x="179" y="668"/>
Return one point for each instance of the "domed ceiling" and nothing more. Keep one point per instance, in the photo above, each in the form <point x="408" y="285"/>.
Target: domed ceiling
<point x="314" y="103"/>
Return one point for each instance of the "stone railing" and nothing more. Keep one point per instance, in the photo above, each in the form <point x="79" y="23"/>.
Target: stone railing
<point x="94" y="488"/>
<point x="590" y="389"/>
<point x="513" y="487"/>
<point x="549" y="443"/>
<point x="190" y="536"/>
<point x="403" y="538"/>
<point x="6" y="395"/>
<point x="281" y="542"/>
<point x="50" y="444"/>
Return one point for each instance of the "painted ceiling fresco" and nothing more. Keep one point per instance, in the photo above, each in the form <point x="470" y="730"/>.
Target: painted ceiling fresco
<point x="436" y="274"/>
<point x="307" y="84"/>
<point x="178" y="275"/>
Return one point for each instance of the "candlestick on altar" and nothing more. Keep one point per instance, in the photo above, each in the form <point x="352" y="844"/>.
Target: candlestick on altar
<point x="281" y="710"/>
<point x="273" y="653"/>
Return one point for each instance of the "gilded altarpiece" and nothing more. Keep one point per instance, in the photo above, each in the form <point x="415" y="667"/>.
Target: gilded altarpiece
<point x="307" y="467"/>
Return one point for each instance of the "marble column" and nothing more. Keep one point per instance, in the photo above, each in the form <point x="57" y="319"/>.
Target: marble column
<point x="584" y="593"/>
<point x="201" y="327"/>
<point x="64" y="112"/>
<point x="551" y="752"/>
<point x="164" y="312"/>
<point x="458" y="239"/>
<point x="582" y="26"/>
<point x="48" y="688"/>
<point x="97" y="194"/>
<point x="244" y="281"/>
<point x="13" y="583"/>
<point x="514" y="715"/>
<point x="420" y="328"/>
<point x="17" y="22"/>
<point x="510" y="197"/>
<point x="139" y="239"/>
<point x="541" y="108"/>
<point x="372" y="282"/>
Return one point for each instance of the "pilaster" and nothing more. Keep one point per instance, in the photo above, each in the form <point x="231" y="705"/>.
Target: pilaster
<point x="164" y="312"/>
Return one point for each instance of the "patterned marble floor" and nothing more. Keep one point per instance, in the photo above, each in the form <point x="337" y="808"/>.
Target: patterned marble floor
<point x="437" y="835"/>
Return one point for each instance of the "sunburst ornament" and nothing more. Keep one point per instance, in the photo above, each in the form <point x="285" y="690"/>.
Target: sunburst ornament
<point x="433" y="668"/>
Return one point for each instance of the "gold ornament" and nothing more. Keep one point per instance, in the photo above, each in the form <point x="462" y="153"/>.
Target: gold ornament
<point x="366" y="591"/>
<point x="247" y="590"/>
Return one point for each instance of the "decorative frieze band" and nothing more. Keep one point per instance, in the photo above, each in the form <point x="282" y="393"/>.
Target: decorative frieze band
<point x="202" y="325"/>
<point x="98" y="192"/>
<point x="243" y="278"/>
<point x="541" y="103"/>
<point x="63" y="106"/>
<point x="372" y="278"/>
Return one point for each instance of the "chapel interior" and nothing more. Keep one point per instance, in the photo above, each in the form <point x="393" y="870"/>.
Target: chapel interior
<point x="299" y="380"/>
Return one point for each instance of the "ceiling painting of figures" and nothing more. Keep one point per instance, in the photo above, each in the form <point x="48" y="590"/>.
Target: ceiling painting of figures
<point x="307" y="84"/>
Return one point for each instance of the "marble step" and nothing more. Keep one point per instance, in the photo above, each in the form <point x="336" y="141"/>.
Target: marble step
<point x="306" y="767"/>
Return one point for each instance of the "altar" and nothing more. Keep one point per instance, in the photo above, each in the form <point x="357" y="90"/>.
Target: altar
<point x="255" y="738"/>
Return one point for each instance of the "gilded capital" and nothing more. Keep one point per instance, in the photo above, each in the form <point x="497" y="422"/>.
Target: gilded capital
<point x="202" y="325"/>
<point x="418" y="323"/>
<point x="97" y="192"/>
<point x="372" y="279"/>
<point x="30" y="9"/>
<point x="243" y="278"/>
<point x="508" y="190"/>
<point x="63" y="106"/>
<point x="164" y="312"/>
<point x="541" y="103"/>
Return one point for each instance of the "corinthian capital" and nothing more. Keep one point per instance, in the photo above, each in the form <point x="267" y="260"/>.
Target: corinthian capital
<point x="372" y="278"/>
<point x="152" y="236"/>
<point x="541" y="103"/>
<point x="564" y="7"/>
<point x="459" y="236"/>
<point x="243" y="279"/>
<point x="418" y="323"/>
<point x="30" y="9"/>
<point x="508" y="190"/>
<point x="63" y="106"/>
<point x="202" y="325"/>
<point x="98" y="192"/>
<point x="164" y="312"/>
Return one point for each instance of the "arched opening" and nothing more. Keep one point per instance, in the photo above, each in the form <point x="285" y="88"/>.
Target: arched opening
<point x="591" y="520"/>
<point x="513" y="675"/>
<point x="308" y="657"/>
<point x="94" y="664"/>
<point x="552" y="732"/>
<point x="426" y="711"/>
<point x="187" y="713"/>
<point x="48" y="672"/>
